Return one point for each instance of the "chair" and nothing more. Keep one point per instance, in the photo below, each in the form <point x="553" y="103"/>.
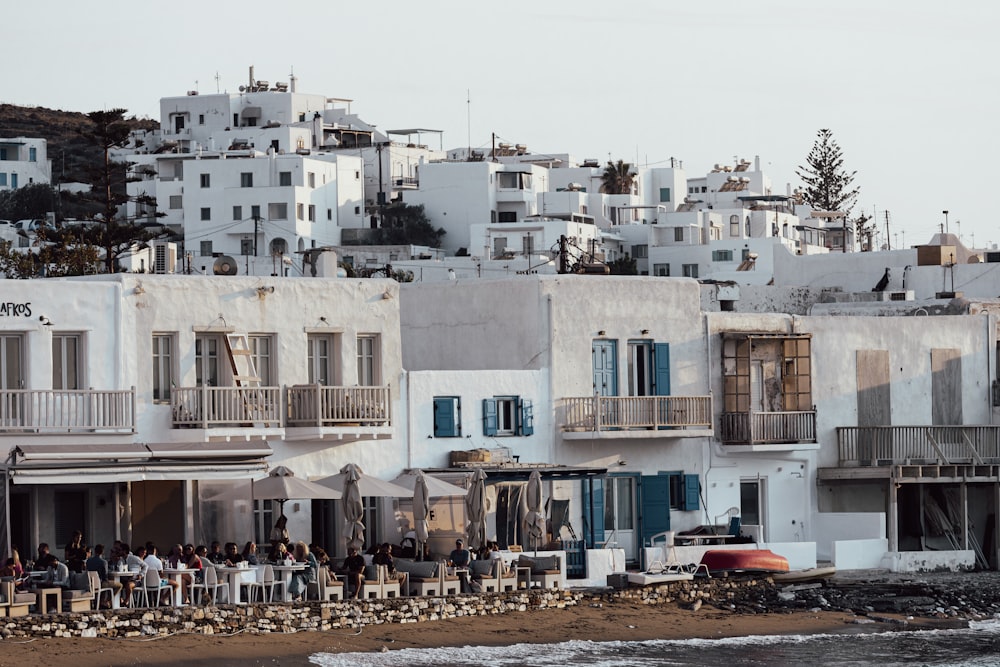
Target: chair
<point x="80" y="599"/>
<point x="151" y="584"/>
<point x="100" y="588"/>
<point x="506" y="577"/>
<point x="424" y="576"/>
<point x="485" y="573"/>
<point x="451" y="584"/>
<point x="257" y="585"/>
<point x="390" y="585"/>
<point x="271" y="583"/>
<point x="326" y="587"/>
<point x="211" y="585"/>
<point x="545" y="570"/>
<point x="15" y="604"/>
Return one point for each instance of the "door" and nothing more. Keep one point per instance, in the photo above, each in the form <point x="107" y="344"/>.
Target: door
<point x="605" y="362"/>
<point x="752" y="504"/>
<point x="11" y="378"/>
<point x="654" y="513"/>
<point x="619" y="514"/>
<point x="593" y="512"/>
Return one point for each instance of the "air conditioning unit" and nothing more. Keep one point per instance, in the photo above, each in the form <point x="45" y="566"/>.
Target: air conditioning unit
<point x="164" y="257"/>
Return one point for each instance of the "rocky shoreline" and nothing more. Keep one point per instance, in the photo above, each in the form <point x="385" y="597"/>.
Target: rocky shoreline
<point x="956" y="596"/>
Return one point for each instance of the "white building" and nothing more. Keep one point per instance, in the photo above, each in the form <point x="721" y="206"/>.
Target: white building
<point x="23" y="161"/>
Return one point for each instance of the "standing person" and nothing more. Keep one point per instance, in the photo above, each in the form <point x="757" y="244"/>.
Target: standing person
<point x="279" y="535"/>
<point x="354" y="570"/>
<point x="76" y="552"/>
<point x="299" y="585"/>
<point x="96" y="563"/>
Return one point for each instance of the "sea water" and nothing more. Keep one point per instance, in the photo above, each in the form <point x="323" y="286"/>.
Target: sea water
<point x="976" y="646"/>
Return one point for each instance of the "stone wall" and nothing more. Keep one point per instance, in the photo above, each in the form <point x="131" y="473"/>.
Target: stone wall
<point x="312" y="616"/>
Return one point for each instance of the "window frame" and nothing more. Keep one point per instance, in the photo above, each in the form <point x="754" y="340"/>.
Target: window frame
<point x="323" y="368"/>
<point x="246" y="179"/>
<point x="163" y="366"/>
<point x="369" y="360"/>
<point x="447" y="417"/>
<point x="67" y="373"/>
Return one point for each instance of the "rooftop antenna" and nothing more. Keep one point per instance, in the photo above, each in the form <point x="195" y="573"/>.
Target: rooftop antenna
<point x="468" y="121"/>
<point x="217" y="79"/>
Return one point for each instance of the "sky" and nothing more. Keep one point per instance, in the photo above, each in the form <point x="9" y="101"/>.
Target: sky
<point x="909" y="89"/>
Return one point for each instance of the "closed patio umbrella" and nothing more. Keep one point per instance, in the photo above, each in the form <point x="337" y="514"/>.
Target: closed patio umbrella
<point x="475" y="510"/>
<point x="421" y="508"/>
<point x="534" y="518"/>
<point x="354" y="528"/>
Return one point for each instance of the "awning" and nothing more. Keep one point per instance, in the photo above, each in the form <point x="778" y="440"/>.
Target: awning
<point x="209" y="450"/>
<point x="135" y="462"/>
<point x="250" y="112"/>
<point x="522" y="471"/>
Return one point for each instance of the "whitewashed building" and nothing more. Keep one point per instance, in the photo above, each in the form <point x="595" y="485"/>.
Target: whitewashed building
<point x="24" y="161"/>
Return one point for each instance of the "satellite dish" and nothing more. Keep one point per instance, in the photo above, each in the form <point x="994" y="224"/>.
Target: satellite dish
<point x="225" y="266"/>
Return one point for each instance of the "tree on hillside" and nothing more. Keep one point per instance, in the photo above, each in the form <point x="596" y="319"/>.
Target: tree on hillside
<point x="115" y="235"/>
<point x="828" y="184"/>
<point x="34" y="200"/>
<point x="617" y="178"/>
<point x="405" y="224"/>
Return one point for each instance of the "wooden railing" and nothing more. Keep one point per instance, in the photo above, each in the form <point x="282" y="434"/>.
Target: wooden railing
<point x="767" y="428"/>
<point x="215" y="407"/>
<point x="902" y="445"/>
<point x="67" y="410"/>
<point x="318" y="405"/>
<point x="636" y="412"/>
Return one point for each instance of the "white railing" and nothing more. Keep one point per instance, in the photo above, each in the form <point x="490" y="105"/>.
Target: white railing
<point x="902" y="445"/>
<point x="318" y="405"/>
<point x="638" y="412"/>
<point x="67" y="410"/>
<point x="213" y="407"/>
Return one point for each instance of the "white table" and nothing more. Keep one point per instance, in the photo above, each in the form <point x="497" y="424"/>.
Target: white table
<point x="236" y="577"/>
<point x="122" y="577"/>
<point x="176" y="574"/>
<point x="284" y="572"/>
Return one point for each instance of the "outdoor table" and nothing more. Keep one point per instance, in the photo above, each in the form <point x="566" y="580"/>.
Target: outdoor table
<point x="122" y="577"/>
<point x="175" y="574"/>
<point x="43" y="595"/>
<point x="285" y="573"/>
<point x="236" y="577"/>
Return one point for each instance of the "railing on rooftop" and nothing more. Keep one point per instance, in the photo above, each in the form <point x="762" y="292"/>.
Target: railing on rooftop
<point x="905" y="445"/>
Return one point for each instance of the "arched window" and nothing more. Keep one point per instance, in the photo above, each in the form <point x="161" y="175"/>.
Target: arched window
<point x="279" y="246"/>
<point x="748" y="227"/>
<point x="734" y="225"/>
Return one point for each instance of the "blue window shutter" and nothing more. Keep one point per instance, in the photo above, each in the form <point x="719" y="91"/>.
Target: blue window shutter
<point x="444" y="417"/>
<point x="691" y="493"/>
<point x="526" y="417"/>
<point x="661" y="368"/>
<point x="489" y="416"/>
<point x="593" y="533"/>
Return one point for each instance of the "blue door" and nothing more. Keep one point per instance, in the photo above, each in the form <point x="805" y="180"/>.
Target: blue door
<point x="605" y="354"/>
<point x="661" y="379"/>
<point x="593" y="511"/>
<point x="654" y="506"/>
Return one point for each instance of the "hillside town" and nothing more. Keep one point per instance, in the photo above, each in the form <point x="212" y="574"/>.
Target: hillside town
<point x="766" y="379"/>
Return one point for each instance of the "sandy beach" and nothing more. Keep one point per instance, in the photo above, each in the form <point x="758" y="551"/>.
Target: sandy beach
<point x="610" y="621"/>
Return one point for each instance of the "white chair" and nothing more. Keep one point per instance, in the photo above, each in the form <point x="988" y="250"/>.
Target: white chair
<point x="255" y="586"/>
<point x="101" y="588"/>
<point x="212" y="585"/>
<point x="151" y="586"/>
<point x="389" y="585"/>
<point x="326" y="587"/>
<point x="271" y="583"/>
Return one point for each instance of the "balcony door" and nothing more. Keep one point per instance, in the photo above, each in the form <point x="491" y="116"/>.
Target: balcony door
<point x="619" y="514"/>
<point x="208" y="360"/>
<point x="605" y="361"/>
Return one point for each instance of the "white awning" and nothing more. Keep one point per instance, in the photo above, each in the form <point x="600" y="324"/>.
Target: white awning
<point x="77" y="451"/>
<point x="209" y="450"/>
<point x="133" y="473"/>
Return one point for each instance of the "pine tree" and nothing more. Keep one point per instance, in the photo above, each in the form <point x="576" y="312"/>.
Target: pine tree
<point x="828" y="185"/>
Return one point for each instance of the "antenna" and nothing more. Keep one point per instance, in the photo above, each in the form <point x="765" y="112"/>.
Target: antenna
<point x="217" y="79"/>
<point x="468" y="121"/>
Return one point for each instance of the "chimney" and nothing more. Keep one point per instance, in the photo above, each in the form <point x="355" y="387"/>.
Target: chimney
<point x="756" y="163"/>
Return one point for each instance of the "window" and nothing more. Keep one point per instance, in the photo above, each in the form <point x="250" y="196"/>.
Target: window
<point x="246" y="179"/>
<point x="640" y="251"/>
<point x="664" y="194"/>
<point x="260" y="353"/>
<point x="684" y="492"/>
<point x="206" y="213"/>
<point x="690" y="270"/>
<point x="66" y="361"/>
<point x="10" y="362"/>
<point x="278" y="246"/>
<point x="206" y="180"/>
<point x="299" y="212"/>
<point x="507" y="216"/>
<point x="329" y="212"/>
<point x="32" y="154"/>
<point x="722" y="255"/>
<point x="368" y="360"/>
<point x="678" y="234"/>
<point x="246" y="246"/>
<point x="206" y="248"/>
<point x="508" y="179"/>
<point x="207" y="364"/>
<point x="3" y="178"/>
<point x="201" y="119"/>
<point x="237" y="213"/>
<point x="277" y="211"/>
<point x="734" y="225"/>
<point x="661" y="270"/>
<point x="507" y="415"/>
<point x="285" y="178"/>
<point x="163" y="370"/>
<point x="255" y="211"/>
<point x="447" y="417"/>
<point x="746" y="254"/>
<point x="176" y="201"/>
<point x="322" y="359"/>
<point x="528" y="244"/>
<point x="312" y="180"/>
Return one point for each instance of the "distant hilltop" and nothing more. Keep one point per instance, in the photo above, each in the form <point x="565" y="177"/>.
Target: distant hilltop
<point x="73" y="156"/>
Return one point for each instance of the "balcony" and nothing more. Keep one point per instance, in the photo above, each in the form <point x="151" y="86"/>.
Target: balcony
<point x="406" y="183"/>
<point x="768" y="428"/>
<point x="226" y="408"/>
<point x="637" y="416"/>
<point x="67" y="411"/>
<point x="354" y="413"/>
<point x="918" y="445"/>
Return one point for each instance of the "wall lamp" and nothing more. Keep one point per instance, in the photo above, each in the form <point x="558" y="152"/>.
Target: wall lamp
<point x="602" y="332"/>
<point x="45" y="321"/>
<point x="263" y="291"/>
<point x="645" y="332"/>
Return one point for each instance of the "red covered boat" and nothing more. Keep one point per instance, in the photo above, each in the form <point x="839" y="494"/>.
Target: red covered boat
<point x="744" y="560"/>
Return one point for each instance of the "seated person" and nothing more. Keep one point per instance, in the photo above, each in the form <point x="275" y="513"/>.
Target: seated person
<point x="460" y="556"/>
<point x="96" y="563"/>
<point x="354" y="570"/>
<point x="56" y="573"/>
<point x="384" y="557"/>
<point x="233" y="556"/>
<point x="250" y="553"/>
<point x="215" y="554"/>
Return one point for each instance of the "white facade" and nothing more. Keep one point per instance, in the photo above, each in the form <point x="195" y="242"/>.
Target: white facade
<point x="24" y="161"/>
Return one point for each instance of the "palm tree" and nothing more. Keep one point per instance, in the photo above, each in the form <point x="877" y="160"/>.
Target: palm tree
<point x="617" y="178"/>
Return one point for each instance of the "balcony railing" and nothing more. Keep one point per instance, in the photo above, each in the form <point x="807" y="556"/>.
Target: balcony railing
<point x="318" y="405"/>
<point x="636" y="412"/>
<point x="218" y="407"/>
<point x="67" y="410"/>
<point x="767" y="428"/>
<point x="904" y="445"/>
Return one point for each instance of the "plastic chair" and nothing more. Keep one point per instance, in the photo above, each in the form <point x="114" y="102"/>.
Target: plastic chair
<point x="211" y="585"/>
<point x="271" y="583"/>
<point x="100" y="588"/>
<point x="151" y="584"/>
